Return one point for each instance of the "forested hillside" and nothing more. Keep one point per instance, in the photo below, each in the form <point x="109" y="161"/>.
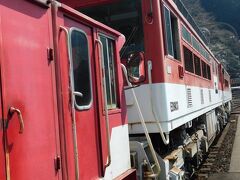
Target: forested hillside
<point x="224" y="10"/>
<point x="222" y="37"/>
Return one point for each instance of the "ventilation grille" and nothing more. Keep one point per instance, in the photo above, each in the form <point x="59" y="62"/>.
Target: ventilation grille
<point x="189" y="97"/>
<point x="201" y="94"/>
<point x="210" y="95"/>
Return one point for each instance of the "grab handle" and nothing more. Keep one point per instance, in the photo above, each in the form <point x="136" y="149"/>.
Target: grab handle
<point x="13" y="110"/>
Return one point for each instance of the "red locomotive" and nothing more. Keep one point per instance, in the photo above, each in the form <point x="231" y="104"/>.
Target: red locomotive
<point x="184" y="96"/>
<point x="54" y="62"/>
<point x="63" y="107"/>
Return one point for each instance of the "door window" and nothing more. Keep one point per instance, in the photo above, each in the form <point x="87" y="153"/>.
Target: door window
<point x="81" y="68"/>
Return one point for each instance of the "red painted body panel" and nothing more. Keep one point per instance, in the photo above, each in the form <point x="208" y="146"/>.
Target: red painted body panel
<point x="29" y="81"/>
<point x="153" y="40"/>
<point x="27" y="84"/>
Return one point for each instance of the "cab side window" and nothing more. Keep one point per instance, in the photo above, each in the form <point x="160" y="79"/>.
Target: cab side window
<point x="171" y="34"/>
<point x="109" y="70"/>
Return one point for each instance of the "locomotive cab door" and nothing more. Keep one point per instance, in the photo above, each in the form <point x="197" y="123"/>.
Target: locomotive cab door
<point x="79" y="96"/>
<point x="86" y="128"/>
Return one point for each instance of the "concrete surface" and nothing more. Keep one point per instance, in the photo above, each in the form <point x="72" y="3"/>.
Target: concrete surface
<point x="225" y="176"/>
<point x="234" y="171"/>
<point x="235" y="158"/>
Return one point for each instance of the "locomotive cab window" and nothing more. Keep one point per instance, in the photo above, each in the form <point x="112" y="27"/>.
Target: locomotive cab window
<point x="80" y="63"/>
<point x="109" y="70"/>
<point x="171" y="34"/>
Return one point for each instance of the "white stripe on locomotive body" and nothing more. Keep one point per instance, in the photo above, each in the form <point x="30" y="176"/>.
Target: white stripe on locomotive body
<point x="120" y="152"/>
<point x="165" y="93"/>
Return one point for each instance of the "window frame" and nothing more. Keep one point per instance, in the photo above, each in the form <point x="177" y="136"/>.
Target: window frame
<point x="226" y="83"/>
<point x="84" y="107"/>
<point x="204" y="69"/>
<point x="173" y="40"/>
<point x="115" y="74"/>
<point x="209" y="73"/>
<point x="200" y="65"/>
<point x="196" y="44"/>
<point x="184" y="28"/>
<point x="192" y="59"/>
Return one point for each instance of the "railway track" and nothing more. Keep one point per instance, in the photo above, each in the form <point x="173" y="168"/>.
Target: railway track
<point x="219" y="155"/>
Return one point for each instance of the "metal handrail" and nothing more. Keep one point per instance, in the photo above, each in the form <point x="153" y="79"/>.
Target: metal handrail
<point x="73" y="94"/>
<point x="144" y="127"/>
<point x="105" y="105"/>
<point x="165" y="137"/>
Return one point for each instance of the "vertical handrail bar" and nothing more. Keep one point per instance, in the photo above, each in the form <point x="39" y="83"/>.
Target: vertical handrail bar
<point x="105" y="104"/>
<point x="73" y="93"/>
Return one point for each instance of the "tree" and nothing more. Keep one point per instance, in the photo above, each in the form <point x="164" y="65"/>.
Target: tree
<point x="223" y="40"/>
